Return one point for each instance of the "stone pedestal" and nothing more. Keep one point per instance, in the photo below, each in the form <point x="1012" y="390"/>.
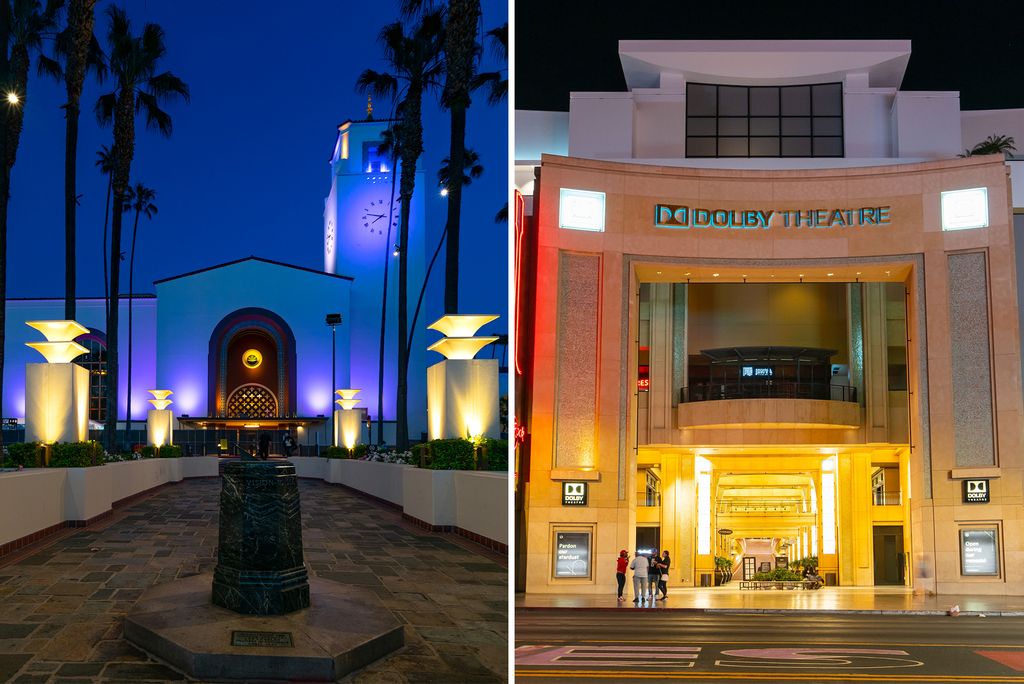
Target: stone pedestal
<point x="347" y="426"/>
<point x="259" y="563"/>
<point x="56" y="403"/>
<point x="462" y="399"/>
<point x="160" y="427"/>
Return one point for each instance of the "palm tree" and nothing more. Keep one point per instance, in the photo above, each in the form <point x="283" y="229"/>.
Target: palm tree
<point x="78" y="51"/>
<point x="23" y="24"/>
<point x="139" y="88"/>
<point x="105" y="163"/>
<point x="993" y="144"/>
<point x="140" y="200"/>
<point x="416" y="65"/>
<point x="472" y="169"/>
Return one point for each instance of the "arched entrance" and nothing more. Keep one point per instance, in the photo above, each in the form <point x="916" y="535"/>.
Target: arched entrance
<point x="252" y="366"/>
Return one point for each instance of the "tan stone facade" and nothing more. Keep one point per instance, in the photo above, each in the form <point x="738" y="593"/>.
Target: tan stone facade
<point x="959" y="416"/>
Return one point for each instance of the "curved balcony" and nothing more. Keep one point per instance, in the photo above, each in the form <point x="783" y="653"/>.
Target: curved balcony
<point x="764" y="413"/>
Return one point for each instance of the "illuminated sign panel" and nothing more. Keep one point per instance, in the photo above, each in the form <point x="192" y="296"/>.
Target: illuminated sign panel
<point x="574" y="493"/>
<point x="572" y="554"/>
<point x="975" y="491"/>
<point x="964" y="209"/>
<point x="581" y="210"/>
<point x="979" y="552"/>
<point x="684" y="217"/>
<point x="756" y="371"/>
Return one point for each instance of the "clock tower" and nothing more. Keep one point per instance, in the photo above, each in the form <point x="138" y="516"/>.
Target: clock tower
<point x="361" y="222"/>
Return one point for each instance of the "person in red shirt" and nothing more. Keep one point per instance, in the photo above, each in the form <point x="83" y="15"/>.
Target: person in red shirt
<point x="620" y="570"/>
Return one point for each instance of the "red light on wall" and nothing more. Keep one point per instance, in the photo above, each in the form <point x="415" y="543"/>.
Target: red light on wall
<point x="643" y="384"/>
<point x="519" y="220"/>
<point x="643" y="377"/>
<point x="518" y="433"/>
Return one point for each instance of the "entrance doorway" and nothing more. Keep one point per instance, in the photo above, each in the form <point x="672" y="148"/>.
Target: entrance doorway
<point x="888" y="554"/>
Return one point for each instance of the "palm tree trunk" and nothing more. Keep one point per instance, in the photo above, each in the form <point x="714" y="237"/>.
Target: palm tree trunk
<point x="384" y="312"/>
<point x="5" y="195"/>
<point x="106" y="276"/>
<point x="70" y="208"/>
<point x="131" y="294"/>
<point x="456" y="161"/>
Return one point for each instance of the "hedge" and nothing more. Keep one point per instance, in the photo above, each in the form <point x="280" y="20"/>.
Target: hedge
<point x="76" y="455"/>
<point x="27" y="455"/>
<point x="497" y="454"/>
<point x="452" y="454"/>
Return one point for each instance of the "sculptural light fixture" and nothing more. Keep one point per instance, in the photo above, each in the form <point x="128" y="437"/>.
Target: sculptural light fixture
<point x="160" y="400"/>
<point x="459" y="330"/>
<point x="60" y="346"/>
<point x="347" y="422"/>
<point x="462" y="391"/>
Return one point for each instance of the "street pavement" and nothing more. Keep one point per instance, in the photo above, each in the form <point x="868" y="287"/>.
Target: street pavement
<point x="63" y="601"/>
<point x="637" y="646"/>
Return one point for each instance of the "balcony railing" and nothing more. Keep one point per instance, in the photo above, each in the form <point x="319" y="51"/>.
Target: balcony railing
<point x="768" y="390"/>
<point x="760" y="507"/>
<point x="887" y="498"/>
<point x="649" y="499"/>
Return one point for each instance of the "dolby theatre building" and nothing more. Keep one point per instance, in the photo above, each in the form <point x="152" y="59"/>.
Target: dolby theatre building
<point x="767" y="314"/>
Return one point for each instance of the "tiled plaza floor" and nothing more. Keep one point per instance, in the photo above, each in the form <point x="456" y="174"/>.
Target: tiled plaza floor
<point x="62" y="606"/>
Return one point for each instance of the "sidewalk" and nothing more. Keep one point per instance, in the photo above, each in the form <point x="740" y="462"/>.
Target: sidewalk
<point x="837" y="600"/>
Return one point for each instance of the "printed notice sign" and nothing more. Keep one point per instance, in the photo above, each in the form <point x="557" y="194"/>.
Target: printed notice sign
<point x="574" y="493"/>
<point x="572" y="554"/>
<point x="979" y="552"/>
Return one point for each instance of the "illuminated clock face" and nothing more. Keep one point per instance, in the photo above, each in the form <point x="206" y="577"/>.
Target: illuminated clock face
<point x="252" y="358"/>
<point x="375" y="216"/>
<point x="330" y="235"/>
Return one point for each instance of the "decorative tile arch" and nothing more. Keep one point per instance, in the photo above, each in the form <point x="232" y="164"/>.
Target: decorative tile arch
<point x="251" y="319"/>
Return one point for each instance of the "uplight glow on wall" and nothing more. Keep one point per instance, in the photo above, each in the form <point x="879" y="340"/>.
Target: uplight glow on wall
<point x="581" y="209"/>
<point x="828" y="505"/>
<point x="964" y="209"/>
<point x="703" y="468"/>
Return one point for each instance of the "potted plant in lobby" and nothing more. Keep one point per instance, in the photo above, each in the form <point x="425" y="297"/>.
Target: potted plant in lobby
<point x="723" y="570"/>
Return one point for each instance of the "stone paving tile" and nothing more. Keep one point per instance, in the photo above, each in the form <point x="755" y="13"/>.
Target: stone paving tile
<point x="62" y="607"/>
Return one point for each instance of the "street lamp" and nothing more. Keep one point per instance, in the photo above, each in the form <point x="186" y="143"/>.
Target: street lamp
<point x="333" y="320"/>
<point x="13" y="98"/>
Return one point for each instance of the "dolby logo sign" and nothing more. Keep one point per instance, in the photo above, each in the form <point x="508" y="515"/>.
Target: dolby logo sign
<point x="975" y="491"/>
<point x="574" y="493"/>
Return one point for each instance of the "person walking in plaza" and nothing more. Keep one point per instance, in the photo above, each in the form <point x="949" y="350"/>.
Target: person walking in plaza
<point x="621" y="563"/>
<point x="264" y="446"/>
<point x="666" y="563"/>
<point x="653" y="575"/>
<point x="288" y="443"/>
<point x="640" y="567"/>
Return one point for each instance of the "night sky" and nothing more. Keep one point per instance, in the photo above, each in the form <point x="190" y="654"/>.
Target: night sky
<point x="246" y="169"/>
<point x="974" y="47"/>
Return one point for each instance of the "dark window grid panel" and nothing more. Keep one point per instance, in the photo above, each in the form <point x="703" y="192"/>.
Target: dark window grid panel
<point x="695" y="154"/>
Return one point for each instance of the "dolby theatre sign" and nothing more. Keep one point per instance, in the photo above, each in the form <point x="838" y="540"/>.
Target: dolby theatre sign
<point x="672" y="216"/>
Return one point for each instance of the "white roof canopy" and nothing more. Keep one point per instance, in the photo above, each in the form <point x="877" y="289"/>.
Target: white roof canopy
<point x="763" y="62"/>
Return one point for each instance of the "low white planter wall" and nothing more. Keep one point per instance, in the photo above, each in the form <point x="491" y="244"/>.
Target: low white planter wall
<point x="310" y="466"/>
<point x="31" y="500"/>
<point x="481" y="502"/>
<point x="200" y="466"/>
<point x="382" y="480"/>
<point x="430" y="495"/>
<point x="131" y="477"/>
<point x="88" y="491"/>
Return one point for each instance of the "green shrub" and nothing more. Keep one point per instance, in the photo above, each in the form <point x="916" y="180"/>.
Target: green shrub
<point x="497" y="454"/>
<point x="778" y="575"/>
<point x="335" y="452"/>
<point x="169" y="451"/>
<point x="148" y="451"/>
<point x="27" y="455"/>
<point x="452" y="454"/>
<point x="359" y="450"/>
<point x="76" y="455"/>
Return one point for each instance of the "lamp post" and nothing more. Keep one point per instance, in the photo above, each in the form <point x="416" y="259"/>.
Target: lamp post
<point x="333" y="320"/>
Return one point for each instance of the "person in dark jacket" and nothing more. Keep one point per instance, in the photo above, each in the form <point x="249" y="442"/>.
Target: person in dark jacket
<point x="654" y="574"/>
<point x="264" y="446"/>
<point x="666" y="563"/>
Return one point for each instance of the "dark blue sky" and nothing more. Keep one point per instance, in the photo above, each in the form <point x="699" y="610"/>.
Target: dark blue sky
<point x="246" y="169"/>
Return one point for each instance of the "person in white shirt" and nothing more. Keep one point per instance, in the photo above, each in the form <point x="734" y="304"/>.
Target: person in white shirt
<point x="640" y="566"/>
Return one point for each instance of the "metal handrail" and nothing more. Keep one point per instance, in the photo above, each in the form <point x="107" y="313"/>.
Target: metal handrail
<point x="768" y="389"/>
<point x="887" y="498"/>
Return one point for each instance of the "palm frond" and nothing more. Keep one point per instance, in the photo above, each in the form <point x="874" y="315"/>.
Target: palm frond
<point x="156" y="118"/>
<point x="105" y="106"/>
<point x="499" y="41"/>
<point x="378" y="84"/>
<point x="50" y="67"/>
<point x="167" y="86"/>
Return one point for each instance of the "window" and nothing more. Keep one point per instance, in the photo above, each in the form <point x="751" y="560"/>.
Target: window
<point x="95" y="361"/>
<point x="764" y="121"/>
